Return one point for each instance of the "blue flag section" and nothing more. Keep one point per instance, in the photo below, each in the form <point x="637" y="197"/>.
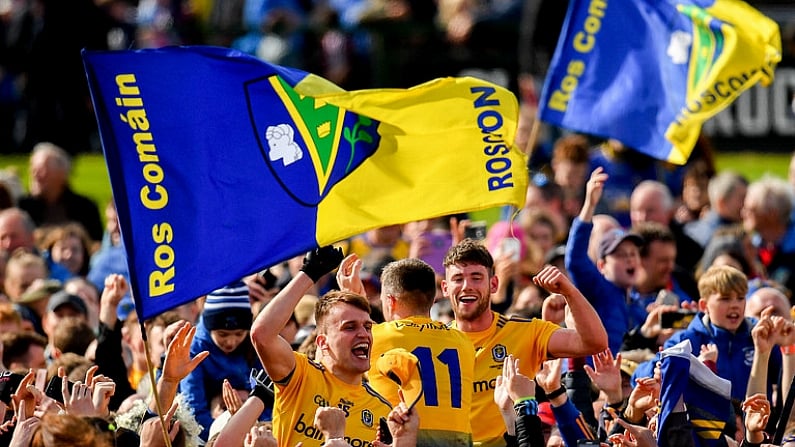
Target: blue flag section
<point x="706" y="397"/>
<point x="649" y="72"/>
<point x="222" y="164"/>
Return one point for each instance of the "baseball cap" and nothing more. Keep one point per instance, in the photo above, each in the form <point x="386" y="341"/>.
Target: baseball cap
<point x="40" y="289"/>
<point x="64" y="298"/>
<point x="613" y="238"/>
<point x="403" y="368"/>
<point x="545" y="413"/>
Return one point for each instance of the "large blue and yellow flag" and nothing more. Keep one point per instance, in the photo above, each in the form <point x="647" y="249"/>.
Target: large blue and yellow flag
<point x="222" y="164"/>
<point x="649" y="72"/>
<point x="706" y="398"/>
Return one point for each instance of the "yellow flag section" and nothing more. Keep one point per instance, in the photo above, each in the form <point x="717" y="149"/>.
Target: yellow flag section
<point x="446" y="147"/>
<point x="734" y="46"/>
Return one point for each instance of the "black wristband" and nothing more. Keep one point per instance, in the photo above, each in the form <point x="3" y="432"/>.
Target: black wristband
<point x="747" y="443"/>
<point x="557" y="393"/>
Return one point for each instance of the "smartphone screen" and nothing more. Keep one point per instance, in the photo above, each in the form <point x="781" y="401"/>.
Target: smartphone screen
<point x="510" y="246"/>
<point x="386" y="435"/>
<point x="476" y="230"/>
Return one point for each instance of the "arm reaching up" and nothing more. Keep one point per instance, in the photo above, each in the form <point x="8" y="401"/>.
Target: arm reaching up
<point x="177" y="365"/>
<point x="593" y="193"/>
<point x="275" y="352"/>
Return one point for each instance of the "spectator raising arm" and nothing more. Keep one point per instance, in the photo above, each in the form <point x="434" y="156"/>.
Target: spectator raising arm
<point x="515" y="395"/>
<point x="403" y="422"/>
<point x="570" y="421"/>
<point x="757" y="412"/>
<point x="177" y="364"/>
<point x="242" y="426"/>
<point x="108" y="355"/>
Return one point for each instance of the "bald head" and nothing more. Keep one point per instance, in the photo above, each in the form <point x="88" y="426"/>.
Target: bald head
<point x="651" y="201"/>
<point x="765" y="297"/>
<point x="49" y="171"/>
<point x="16" y="229"/>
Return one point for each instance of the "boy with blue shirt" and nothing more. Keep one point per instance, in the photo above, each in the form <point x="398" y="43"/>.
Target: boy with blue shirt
<point x="721" y="320"/>
<point x="222" y="331"/>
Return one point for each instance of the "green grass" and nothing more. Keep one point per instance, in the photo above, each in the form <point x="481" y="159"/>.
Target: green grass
<point x="90" y="175"/>
<point x="754" y="165"/>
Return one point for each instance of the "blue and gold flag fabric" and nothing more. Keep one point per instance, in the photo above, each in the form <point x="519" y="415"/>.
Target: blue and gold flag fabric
<point x="222" y="164"/>
<point x="649" y="72"/>
<point x="706" y="397"/>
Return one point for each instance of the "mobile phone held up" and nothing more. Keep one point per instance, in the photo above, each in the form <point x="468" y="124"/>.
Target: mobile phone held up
<point x="9" y="382"/>
<point x="54" y="389"/>
<point x="386" y="435"/>
<point x="476" y="230"/>
<point x="510" y="246"/>
<point x="438" y="243"/>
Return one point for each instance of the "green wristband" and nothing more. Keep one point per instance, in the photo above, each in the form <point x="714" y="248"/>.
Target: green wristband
<point x="524" y="399"/>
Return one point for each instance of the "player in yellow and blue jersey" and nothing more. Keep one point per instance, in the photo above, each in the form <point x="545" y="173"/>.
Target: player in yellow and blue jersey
<point x="335" y="379"/>
<point x="469" y="282"/>
<point x="445" y="356"/>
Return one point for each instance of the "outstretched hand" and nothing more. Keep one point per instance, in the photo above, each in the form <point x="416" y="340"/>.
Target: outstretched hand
<point x="178" y="363"/>
<point x="606" y="374"/>
<point x="595" y="187"/>
<point x="349" y="275"/>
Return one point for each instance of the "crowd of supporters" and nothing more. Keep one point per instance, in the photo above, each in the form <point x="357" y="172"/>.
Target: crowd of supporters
<point x="545" y="331"/>
<point x="639" y="254"/>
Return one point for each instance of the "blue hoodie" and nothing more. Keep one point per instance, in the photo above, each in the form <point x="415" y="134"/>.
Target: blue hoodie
<point x="617" y="311"/>
<point x="735" y="351"/>
<point x="204" y="383"/>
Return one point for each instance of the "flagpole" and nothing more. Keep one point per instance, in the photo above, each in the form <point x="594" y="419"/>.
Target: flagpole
<point x="155" y="394"/>
<point x="530" y="147"/>
<point x="784" y="417"/>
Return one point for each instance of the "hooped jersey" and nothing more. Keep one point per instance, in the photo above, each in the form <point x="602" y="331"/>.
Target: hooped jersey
<point x="527" y="340"/>
<point x="310" y="386"/>
<point x="447" y="361"/>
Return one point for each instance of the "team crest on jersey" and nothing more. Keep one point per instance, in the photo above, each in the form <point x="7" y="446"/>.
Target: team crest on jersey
<point x="303" y="138"/>
<point x="748" y="353"/>
<point x="499" y="352"/>
<point x="367" y="417"/>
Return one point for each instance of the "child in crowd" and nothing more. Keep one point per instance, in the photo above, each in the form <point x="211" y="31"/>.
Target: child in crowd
<point x="721" y="321"/>
<point x="223" y="331"/>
